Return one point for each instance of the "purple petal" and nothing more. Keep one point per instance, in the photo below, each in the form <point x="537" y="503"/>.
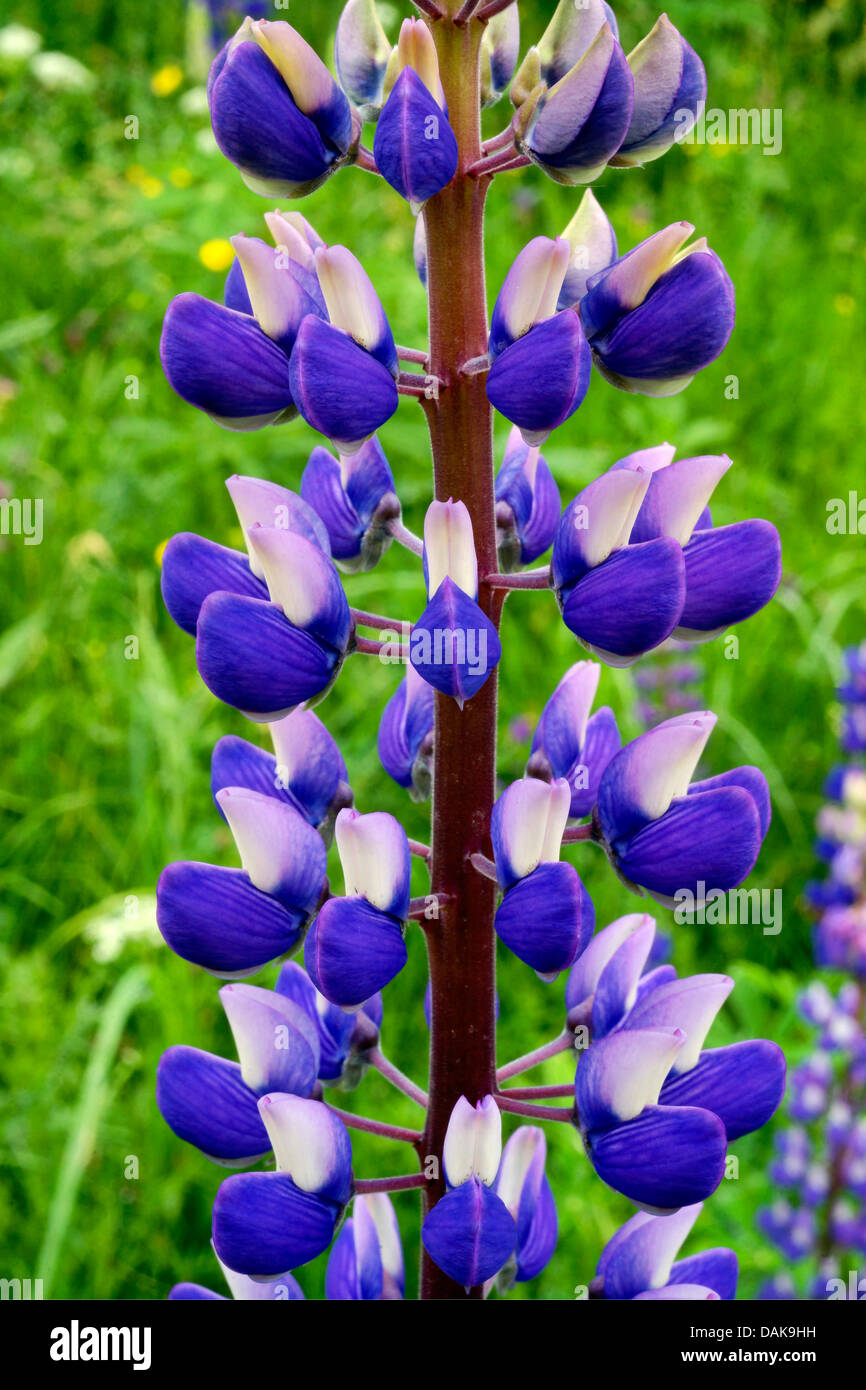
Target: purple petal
<point x="235" y="293"/>
<point x="546" y="919"/>
<point x="526" y="827"/>
<point x="281" y="291"/>
<point x="597" y="522"/>
<point x="310" y="764"/>
<point x="346" y="495"/>
<point x="669" y="81"/>
<point x="712" y="1269"/>
<point x="260" y="503"/>
<point x="677" y="495"/>
<point x="204" y="1100"/>
<point x="194" y="1291"/>
<point x="529" y="292"/>
<point x="263" y="1223"/>
<point x="540" y="380"/>
<point x="215" y="918"/>
<point x="593" y="248"/>
<point x="339" y="388"/>
<point x="454" y="646"/>
<point x="374" y="853"/>
<point x="582" y="120"/>
<point x="222" y="362"/>
<point x="616" y="990"/>
<point x="631" y="602"/>
<point x="743" y="1084"/>
<point x="193" y="568"/>
<point x="352" y="950"/>
<point x="407" y="722"/>
<point x="704" y="842"/>
<point x="690" y="1004"/>
<point x="587" y="971"/>
<point x="668" y="1157"/>
<point x="310" y="1143"/>
<point x="470" y="1233"/>
<point x="731" y="573"/>
<point x="250" y="656"/>
<point x="414" y="145"/>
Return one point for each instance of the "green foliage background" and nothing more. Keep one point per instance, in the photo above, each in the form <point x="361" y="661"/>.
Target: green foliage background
<point x="105" y="759"/>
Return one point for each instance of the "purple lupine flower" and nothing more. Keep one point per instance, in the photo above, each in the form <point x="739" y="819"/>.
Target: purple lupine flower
<point x="414" y="146"/>
<point x="540" y="360"/>
<point x="607" y="979"/>
<point x="193" y="567"/>
<point x="306" y="769"/>
<point x="619" y="599"/>
<point x="639" y="1262"/>
<point x="670" y="87"/>
<point x="233" y="362"/>
<point x="355" y="946"/>
<point x="546" y="916"/>
<point x="213" y="1103"/>
<point x="361" y="54"/>
<point x="277" y="112"/>
<point x="454" y="646"/>
<point x="523" y="1186"/>
<point x="356" y="499"/>
<point x="366" y="1262"/>
<point x="564" y="42"/>
<point x="345" y="1039"/>
<point x="731" y="571"/>
<point x="573" y="127"/>
<point x="233" y="921"/>
<point x="792" y="1151"/>
<point x="527" y="504"/>
<point x="266" y="656"/>
<point x="671" y="835"/>
<point x="570" y="742"/>
<point x="500" y="50"/>
<point x="470" y="1233"/>
<point x="343" y="371"/>
<point x="593" y="248"/>
<point x="659" y="314"/>
<point x="810" y="1087"/>
<point x="405" y="740"/>
<point x="263" y="1222"/>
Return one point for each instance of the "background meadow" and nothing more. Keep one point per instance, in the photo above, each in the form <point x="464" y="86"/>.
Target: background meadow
<point x="105" y="756"/>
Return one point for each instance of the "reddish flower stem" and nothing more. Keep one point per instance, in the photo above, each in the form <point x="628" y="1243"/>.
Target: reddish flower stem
<point x="535" y="1112"/>
<point x="539" y="1054"/>
<point x="400" y="1184"/>
<point x="461" y="949"/>
<point x="385" y="1131"/>
<point x="397" y="1078"/>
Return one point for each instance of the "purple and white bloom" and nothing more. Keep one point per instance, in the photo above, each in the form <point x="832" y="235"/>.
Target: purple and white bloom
<point x="282" y="1289"/>
<point x="414" y="146"/>
<point x="233" y="921"/>
<point x="277" y="112"/>
<point x="306" y="769"/>
<point x="565" y="40"/>
<point x="670" y="835"/>
<point x="470" y="1233"/>
<point x="453" y="645"/>
<point x="356" y="499"/>
<point x="232" y="361"/>
<point x="573" y="127"/>
<point x="212" y="1102"/>
<point x="639" y="1262"/>
<point x="264" y="1222"/>
<point x="266" y="656"/>
<point x="366" y="1262"/>
<point x="345" y="1039"/>
<point x="343" y="371"/>
<point x="355" y="946"/>
<point x="570" y="742"/>
<point x="540" y="360"/>
<point x="523" y="1186"/>
<point x="620" y="599"/>
<point x="527" y="504"/>
<point x="660" y="1156"/>
<point x="546" y="916"/>
<point x="670" y="88"/>
<point x="405" y="740"/>
<point x="500" y="50"/>
<point x="361" y="54"/>
<point x="659" y="314"/>
<point x="731" y="571"/>
<point x="194" y="567"/>
<point x="593" y="247"/>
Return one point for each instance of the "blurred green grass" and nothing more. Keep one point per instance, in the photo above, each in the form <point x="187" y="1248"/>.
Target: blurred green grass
<point x="105" y="759"/>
